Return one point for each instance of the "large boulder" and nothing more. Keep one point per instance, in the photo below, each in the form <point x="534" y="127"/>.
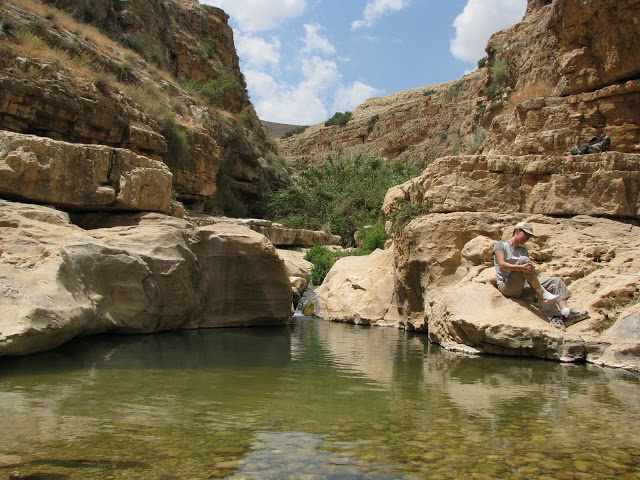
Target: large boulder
<point x="359" y="289"/>
<point x="445" y="285"/>
<point x="58" y="281"/>
<point x="84" y="177"/>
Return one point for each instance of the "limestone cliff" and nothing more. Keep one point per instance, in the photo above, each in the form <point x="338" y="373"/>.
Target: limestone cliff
<point x="159" y="78"/>
<point x="415" y="125"/>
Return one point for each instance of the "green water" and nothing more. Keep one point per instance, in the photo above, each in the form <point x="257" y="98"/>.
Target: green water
<point x="316" y="400"/>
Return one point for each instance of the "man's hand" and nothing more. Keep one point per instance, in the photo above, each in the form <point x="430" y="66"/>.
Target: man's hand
<point x="529" y="267"/>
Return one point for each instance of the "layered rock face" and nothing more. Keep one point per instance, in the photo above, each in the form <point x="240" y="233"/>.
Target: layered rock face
<point x="159" y="78"/>
<point x="157" y="273"/>
<point x="81" y="177"/>
<point x="420" y="124"/>
<point x="569" y="71"/>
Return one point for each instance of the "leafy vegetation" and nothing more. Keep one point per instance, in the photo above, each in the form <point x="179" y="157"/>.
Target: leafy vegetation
<point x="404" y="210"/>
<point x="498" y="79"/>
<point x="338" y="118"/>
<point x="322" y="258"/>
<point x="479" y="137"/>
<point x="222" y="92"/>
<point x="343" y="197"/>
<point x="372" y="123"/>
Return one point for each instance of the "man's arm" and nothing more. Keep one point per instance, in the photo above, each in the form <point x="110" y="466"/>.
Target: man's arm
<point x="504" y="265"/>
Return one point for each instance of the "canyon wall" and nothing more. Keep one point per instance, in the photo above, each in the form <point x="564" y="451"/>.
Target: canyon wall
<point x="568" y="72"/>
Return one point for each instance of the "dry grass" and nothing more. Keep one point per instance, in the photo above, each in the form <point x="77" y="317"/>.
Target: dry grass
<point x="65" y="20"/>
<point x="31" y="45"/>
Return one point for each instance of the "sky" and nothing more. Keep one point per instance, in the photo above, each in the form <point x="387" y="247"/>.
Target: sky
<point x="304" y="60"/>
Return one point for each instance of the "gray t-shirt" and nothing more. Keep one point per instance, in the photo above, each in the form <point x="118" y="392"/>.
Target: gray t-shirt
<point x="511" y="255"/>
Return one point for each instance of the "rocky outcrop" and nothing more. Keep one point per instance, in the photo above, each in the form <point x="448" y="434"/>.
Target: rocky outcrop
<point x="606" y="184"/>
<point x="59" y="281"/>
<point x="563" y="75"/>
<point x="125" y="86"/>
<point x="282" y="236"/>
<point x="81" y="177"/>
<point x="553" y="125"/>
<point x="445" y="286"/>
<point x="568" y="47"/>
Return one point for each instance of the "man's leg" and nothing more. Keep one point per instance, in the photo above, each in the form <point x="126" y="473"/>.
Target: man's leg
<point x="514" y="285"/>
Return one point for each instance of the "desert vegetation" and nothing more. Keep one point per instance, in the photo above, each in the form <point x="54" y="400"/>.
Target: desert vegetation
<point x="339" y="118"/>
<point x="343" y="197"/>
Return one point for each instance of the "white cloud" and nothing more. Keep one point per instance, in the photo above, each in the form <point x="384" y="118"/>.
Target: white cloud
<point x="478" y="21"/>
<point x="299" y="87"/>
<point x="258" y="52"/>
<point x="316" y="42"/>
<point x="259" y="15"/>
<point x="350" y="97"/>
<point x="376" y="9"/>
<point x="319" y="73"/>
<point x="282" y="103"/>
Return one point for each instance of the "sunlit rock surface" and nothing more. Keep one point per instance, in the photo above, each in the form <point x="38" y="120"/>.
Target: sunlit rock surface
<point x="58" y="281"/>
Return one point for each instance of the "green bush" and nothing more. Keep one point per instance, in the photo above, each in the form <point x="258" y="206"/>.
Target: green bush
<point x="482" y="62"/>
<point x="500" y="72"/>
<point x="322" y="260"/>
<point x="338" y="118"/>
<point x="479" y="137"/>
<point x="373" y="237"/>
<point x="346" y="195"/>
<point x="493" y="91"/>
<point x="221" y="92"/>
<point x="498" y="79"/>
<point x="405" y="210"/>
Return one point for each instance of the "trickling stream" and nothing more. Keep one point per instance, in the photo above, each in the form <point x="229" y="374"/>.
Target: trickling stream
<point x="315" y="400"/>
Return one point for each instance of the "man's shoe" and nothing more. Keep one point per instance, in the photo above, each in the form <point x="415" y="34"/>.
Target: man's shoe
<point x="557" y="322"/>
<point x="575" y="317"/>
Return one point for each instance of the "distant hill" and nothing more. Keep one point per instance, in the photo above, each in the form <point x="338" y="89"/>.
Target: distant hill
<point x="277" y="130"/>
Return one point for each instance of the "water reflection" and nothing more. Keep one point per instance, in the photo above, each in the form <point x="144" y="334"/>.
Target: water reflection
<point x="313" y="400"/>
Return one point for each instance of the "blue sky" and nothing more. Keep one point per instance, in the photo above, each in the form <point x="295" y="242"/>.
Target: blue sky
<point x="304" y="60"/>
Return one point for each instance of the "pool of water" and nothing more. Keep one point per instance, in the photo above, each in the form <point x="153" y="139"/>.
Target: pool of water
<point x="315" y="400"/>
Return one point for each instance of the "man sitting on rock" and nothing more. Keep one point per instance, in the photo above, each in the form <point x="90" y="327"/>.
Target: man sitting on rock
<point x="514" y="269"/>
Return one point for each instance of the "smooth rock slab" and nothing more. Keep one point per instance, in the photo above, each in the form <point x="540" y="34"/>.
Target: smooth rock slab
<point x="58" y="281"/>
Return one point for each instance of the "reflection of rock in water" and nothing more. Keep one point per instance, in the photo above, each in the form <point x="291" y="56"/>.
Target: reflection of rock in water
<point x="368" y="351"/>
<point x="204" y="348"/>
